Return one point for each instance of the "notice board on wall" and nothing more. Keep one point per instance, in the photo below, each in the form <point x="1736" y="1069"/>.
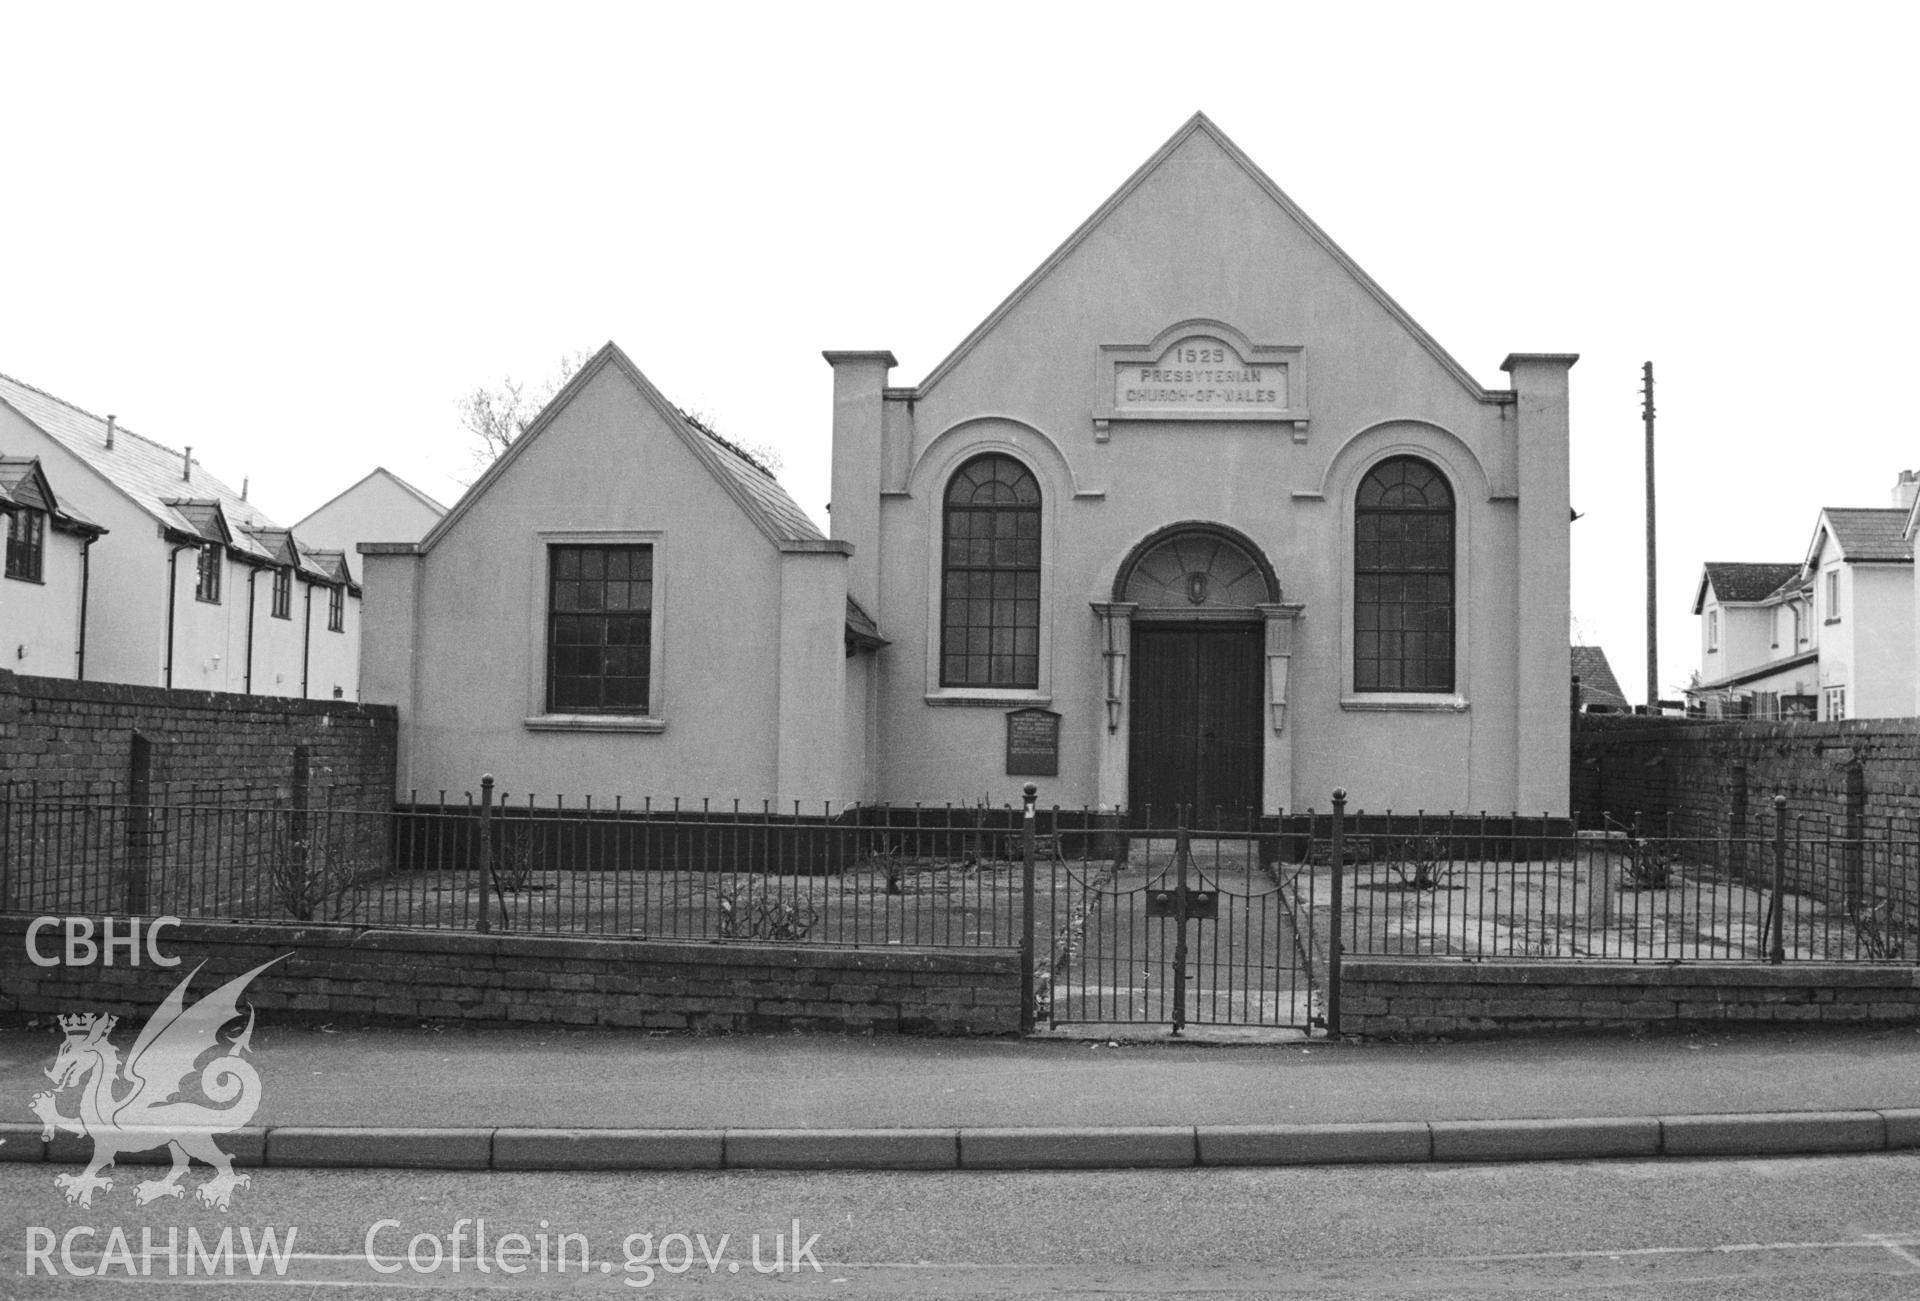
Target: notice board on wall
<point x="1033" y="743"/>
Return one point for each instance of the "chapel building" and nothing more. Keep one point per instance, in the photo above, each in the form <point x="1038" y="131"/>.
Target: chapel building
<point x="1198" y="520"/>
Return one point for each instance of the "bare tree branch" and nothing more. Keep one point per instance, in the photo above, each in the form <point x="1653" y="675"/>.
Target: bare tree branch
<point x="495" y="417"/>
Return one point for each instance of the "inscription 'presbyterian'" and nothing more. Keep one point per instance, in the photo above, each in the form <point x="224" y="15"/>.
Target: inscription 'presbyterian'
<point x="1199" y="373"/>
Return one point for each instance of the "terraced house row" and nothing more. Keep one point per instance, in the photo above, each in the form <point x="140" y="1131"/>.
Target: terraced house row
<point x="129" y="561"/>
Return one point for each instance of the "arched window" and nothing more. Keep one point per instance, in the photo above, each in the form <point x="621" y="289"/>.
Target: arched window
<point x="990" y="576"/>
<point x="1403" y="579"/>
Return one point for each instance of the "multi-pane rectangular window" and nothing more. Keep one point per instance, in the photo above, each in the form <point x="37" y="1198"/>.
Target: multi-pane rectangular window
<point x="283" y="593"/>
<point x="26" y="544"/>
<point x="1403" y="579"/>
<point x="990" y="577"/>
<point x="207" y="588"/>
<point x="337" y="608"/>
<point x="599" y="628"/>
<point x="1836" y="703"/>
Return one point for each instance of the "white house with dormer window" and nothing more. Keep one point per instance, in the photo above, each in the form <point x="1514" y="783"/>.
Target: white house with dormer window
<point x="187" y="584"/>
<point x="43" y="605"/>
<point x="1829" y="637"/>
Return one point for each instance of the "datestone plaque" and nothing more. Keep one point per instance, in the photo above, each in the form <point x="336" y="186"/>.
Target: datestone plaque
<point x="1033" y="743"/>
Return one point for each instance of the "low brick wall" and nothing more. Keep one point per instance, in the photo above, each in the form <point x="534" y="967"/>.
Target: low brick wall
<point x="55" y="731"/>
<point x="1384" y="998"/>
<point x="405" y="977"/>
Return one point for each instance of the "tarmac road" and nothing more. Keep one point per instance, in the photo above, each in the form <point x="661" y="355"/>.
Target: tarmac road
<point x="1825" y="1227"/>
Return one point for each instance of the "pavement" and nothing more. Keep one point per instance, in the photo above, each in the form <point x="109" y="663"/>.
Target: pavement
<point x="511" y="1099"/>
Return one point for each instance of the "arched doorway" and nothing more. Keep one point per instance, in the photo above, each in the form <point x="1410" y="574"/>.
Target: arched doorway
<point x="1195" y="742"/>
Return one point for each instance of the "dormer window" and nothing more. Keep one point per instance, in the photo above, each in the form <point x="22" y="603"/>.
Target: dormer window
<point x="26" y="544"/>
<point x="208" y="587"/>
<point x="283" y="593"/>
<point x="337" y="609"/>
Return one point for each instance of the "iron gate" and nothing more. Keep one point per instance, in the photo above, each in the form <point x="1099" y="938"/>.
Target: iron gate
<point x="1185" y="928"/>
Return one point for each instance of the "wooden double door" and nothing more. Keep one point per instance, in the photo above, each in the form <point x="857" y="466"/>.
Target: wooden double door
<point x="1196" y="744"/>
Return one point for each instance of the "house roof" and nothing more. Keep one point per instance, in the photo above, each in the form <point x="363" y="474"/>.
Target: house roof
<point x="23" y="482"/>
<point x="205" y="515"/>
<point x="330" y="565"/>
<point x="1800" y="580"/>
<point x="750" y="484"/>
<point x="1868" y="533"/>
<point x="862" y="632"/>
<point x="1754" y="672"/>
<point x="1201" y="124"/>
<point x="1740" y="580"/>
<point x="1598" y="686"/>
<point x="146" y="472"/>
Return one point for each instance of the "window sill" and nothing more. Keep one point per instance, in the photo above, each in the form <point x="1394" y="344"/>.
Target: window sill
<point x="986" y="698"/>
<point x="593" y="723"/>
<point x="1832" y="621"/>
<point x="28" y="578"/>
<point x="1405" y="702"/>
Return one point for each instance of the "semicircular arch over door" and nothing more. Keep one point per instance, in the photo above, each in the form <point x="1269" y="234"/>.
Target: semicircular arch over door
<point x="1198" y="700"/>
<point x="1196" y="571"/>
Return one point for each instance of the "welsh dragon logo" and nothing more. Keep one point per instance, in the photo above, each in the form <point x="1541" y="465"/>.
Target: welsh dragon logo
<point x="130" y="1108"/>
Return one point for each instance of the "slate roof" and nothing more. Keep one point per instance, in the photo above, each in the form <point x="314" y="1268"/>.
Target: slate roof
<point x="1598" y="686"/>
<point x="1735" y="580"/>
<point x="754" y="479"/>
<point x="331" y="565"/>
<point x="862" y="632"/>
<point x="1755" y="672"/>
<point x="1870" y="533"/>
<point x="205" y="516"/>
<point x="1800" y="580"/>
<point x="22" y="480"/>
<point x="146" y="471"/>
<point x="18" y="482"/>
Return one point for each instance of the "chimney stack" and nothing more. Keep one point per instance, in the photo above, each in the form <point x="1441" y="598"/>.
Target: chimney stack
<point x="186" y="465"/>
<point x="110" y="420"/>
<point x="1906" y="488"/>
<point x="244" y="481"/>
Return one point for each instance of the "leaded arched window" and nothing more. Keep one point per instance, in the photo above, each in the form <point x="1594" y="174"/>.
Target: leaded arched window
<point x="990" y="576"/>
<point x="1403" y="579"/>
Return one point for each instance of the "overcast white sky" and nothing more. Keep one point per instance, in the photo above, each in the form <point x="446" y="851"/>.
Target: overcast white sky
<point x="293" y="238"/>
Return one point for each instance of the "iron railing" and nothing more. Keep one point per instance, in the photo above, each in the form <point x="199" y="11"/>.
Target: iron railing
<point x="1448" y="885"/>
<point x="1796" y="890"/>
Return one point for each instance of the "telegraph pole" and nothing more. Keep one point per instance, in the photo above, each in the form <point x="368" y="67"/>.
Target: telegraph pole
<point x="1653" y="602"/>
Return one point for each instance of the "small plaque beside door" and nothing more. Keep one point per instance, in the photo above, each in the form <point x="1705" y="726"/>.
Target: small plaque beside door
<point x="1033" y="743"/>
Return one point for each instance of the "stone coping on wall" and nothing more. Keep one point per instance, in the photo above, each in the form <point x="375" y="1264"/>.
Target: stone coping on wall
<point x="409" y="976"/>
<point x="1393" y="997"/>
<point x="1643" y="727"/>
<point x="1519" y="971"/>
<point x="127" y="693"/>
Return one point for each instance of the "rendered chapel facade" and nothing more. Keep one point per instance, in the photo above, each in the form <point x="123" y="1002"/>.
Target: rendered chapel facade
<point x="1197" y="518"/>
